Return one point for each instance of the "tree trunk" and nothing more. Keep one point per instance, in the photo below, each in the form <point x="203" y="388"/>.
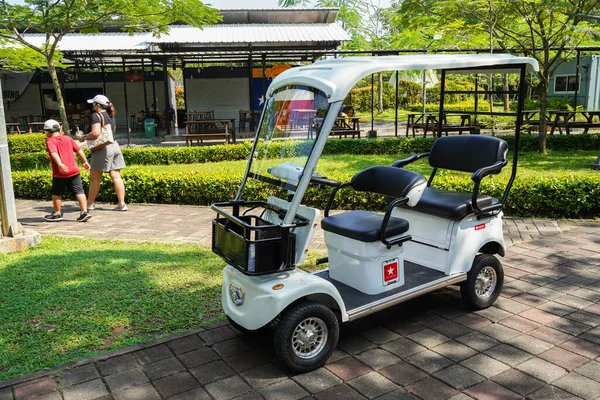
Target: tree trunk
<point x="59" y="96"/>
<point x="380" y="93"/>
<point x="543" y="93"/>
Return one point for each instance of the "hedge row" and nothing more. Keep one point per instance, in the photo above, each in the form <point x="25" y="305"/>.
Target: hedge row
<point x="567" y="196"/>
<point x="217" y="153"/>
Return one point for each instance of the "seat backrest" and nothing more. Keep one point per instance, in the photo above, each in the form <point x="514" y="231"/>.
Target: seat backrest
<point x="467" y="153"/>
<point x="390" y="181"/>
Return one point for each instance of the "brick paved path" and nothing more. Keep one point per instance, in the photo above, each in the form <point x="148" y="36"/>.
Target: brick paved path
<point x="541" y="340"/>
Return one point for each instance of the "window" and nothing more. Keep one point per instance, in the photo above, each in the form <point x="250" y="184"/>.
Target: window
<point x="565" y="84"/>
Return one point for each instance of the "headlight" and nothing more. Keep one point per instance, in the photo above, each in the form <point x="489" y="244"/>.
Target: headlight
<point x="237" y="294"/>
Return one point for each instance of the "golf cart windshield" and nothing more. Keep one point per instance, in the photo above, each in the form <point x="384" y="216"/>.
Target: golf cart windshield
<point x="284" y="139"/>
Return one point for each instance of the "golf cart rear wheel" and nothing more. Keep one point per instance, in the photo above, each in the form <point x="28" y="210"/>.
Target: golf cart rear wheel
<point x="484" y="282"/>
<point x="306" y="336"/>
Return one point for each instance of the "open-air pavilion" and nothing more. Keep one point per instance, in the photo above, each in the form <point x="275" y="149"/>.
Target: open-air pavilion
<point x="226" y="67"/>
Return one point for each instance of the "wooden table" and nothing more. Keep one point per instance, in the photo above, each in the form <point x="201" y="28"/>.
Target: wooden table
<point x="431" y="123"/>
<point x="12" y="126"/>
<point x="301" y="117"/>
<point x="209" y="129"/>
<point x="343" y="126"/>
<point x="568" y="120"/>
<point x="32" y="125"/>
<point x="250" y="116"/>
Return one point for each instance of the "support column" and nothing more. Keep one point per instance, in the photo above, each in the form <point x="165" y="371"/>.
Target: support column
<point x="8" y="207"/>
<point x="145" y="91"/>
<point x="396" y="117"/>
<point x="154" y="100"/>
<point x="576" y="79"/>
<point x="103" y="80"/>
<point x="251" y="95"/>
<point x="127" y="118"/>
<point x="168" y="105"/>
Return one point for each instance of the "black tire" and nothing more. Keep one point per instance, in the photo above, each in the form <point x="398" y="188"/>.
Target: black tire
<point x="311" y="314"/>
<point x="471" y="289"/>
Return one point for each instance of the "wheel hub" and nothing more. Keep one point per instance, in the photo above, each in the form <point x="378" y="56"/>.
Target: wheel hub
<point x="485" y="284"/>
<point x="309" y="338"/>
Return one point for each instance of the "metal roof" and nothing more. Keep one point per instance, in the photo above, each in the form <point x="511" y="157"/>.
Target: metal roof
<point x="106" y="41"/>
<point x="257" y="34"/>
<point x="335" y="77"/>
<point x="214" y="36"/>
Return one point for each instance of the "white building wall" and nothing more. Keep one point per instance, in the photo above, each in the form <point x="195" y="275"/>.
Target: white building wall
<point x="226" y="96"/>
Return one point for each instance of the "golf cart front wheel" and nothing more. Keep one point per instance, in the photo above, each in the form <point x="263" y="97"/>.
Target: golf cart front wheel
<point x="306" y="336"/>
<point x="484" y="282"/>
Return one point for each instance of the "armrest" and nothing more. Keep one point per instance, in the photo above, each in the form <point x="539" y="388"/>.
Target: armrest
<point x="332" y="195"/>
<point x="477" y="177"/>
<point x="492" y="169"/>
<point x="321" y="180"/>
<point x="386" y="220"/>
<point x="408" y="160"/>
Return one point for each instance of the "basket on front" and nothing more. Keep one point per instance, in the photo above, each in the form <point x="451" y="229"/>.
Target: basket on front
<point x="249" y="242"/>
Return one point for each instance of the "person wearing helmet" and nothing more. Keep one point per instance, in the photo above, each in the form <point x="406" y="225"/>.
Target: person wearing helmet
<point x="65" y="172"/>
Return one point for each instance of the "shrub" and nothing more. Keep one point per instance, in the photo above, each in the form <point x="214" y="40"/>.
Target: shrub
<point x="564" y="196"/>
<point x="235" y="152"/>
<point x="28" y="143"/>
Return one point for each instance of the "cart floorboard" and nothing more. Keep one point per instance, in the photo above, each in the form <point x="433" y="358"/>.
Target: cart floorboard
<point x="415" y="275"/>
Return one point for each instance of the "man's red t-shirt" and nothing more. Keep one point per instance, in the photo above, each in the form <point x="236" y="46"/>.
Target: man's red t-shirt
<point x="64" y="146"/>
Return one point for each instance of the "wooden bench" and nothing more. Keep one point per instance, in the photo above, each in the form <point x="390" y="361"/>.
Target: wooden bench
<point x="209" y="129"/>
<point x="198" y="137"/>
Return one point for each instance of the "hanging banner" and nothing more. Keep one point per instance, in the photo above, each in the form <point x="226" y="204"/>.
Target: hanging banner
<point x="14" y="85"/>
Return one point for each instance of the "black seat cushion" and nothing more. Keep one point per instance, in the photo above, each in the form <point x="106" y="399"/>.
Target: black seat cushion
<point x="449" y="205"/>
<point x="363" y="226"/>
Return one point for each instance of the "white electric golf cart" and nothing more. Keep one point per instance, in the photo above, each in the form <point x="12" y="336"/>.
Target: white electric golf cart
<point x="427" y="239"/>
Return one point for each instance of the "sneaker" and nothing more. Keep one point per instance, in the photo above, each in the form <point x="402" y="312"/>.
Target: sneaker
<point x="54" y="217"/>
<point x="91" y="206"/>
<point x="84" y="217"/>
<point x="121" y="208"/>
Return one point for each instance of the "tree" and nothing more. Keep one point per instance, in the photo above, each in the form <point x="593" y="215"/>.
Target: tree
<point x="542" y="29"/>
<point x="365" y="21"/>
<point x="57" y="18"/>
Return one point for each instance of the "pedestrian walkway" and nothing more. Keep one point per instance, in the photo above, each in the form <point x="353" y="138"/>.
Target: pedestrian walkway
<point x="541" y="339"/>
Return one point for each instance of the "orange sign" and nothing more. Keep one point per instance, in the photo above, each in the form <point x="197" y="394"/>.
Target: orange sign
<point x="270" y="72"/>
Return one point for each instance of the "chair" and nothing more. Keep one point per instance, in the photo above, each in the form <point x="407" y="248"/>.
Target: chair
<point x="479" y="155"/>
<point x="139" y="121"/>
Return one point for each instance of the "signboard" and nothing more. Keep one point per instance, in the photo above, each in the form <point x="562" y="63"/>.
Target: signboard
<point x="13" y="85"/>
<point x="135" y="77"/>
<point x="270" y="72"/>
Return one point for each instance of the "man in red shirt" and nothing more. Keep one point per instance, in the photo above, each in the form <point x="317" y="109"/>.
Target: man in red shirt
<point x="65" y="172"/>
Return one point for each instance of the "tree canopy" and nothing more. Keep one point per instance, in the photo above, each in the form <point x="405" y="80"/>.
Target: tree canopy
<point x="57" y="18"/>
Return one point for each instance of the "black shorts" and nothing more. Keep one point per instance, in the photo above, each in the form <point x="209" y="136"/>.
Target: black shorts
<point x="73" y="183"/>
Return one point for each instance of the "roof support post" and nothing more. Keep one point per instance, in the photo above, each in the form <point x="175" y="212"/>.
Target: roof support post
<point x="372" y="99"/>
<point x="576" y="79"/>
<point x="168" y="105"/>
<point x="185" y="102"/>
<point x="264" y="74"/>
<point x="154" y="99"/>
<point x="396" y="117"/>
<point x="442" y="95"/>
<point x="144" y="81"/>
<point x="103" y="80"/>
<point x="250" y="94"/>
<point x="39" y="79"/>
<point x="127" y="118"/>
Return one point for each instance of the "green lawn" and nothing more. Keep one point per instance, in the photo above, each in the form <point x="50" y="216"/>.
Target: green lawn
<point x="71" y="298"/>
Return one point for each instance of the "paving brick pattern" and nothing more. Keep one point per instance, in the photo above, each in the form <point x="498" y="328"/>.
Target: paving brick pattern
<point x="541" y="340"/>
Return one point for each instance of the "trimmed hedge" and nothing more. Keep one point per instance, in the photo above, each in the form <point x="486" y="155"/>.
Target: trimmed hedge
<point x="566" y="196"/>
<point x="235" y="152"/>
<point x="27" y="143"/>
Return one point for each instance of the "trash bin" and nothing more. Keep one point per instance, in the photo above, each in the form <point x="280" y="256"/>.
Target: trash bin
<point x="149" y="128"/>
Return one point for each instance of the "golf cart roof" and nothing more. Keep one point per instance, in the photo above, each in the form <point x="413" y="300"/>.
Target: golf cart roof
<point x="335" y="77"/>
